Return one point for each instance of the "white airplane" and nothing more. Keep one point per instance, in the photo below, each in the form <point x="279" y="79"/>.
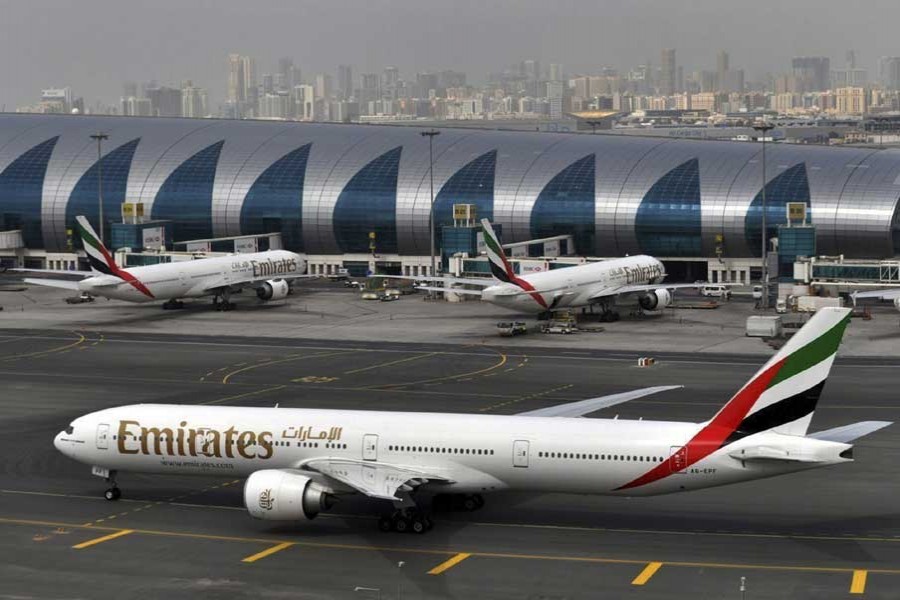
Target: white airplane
<point x="633" y="279"/>
<point x="298" y="462"/>
<point x="886" y="294"/>
<point x="266" y="272"/>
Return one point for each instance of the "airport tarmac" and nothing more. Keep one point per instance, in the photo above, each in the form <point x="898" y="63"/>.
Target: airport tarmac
<point x="328" y="311"/>
<point x="820" y="534"/>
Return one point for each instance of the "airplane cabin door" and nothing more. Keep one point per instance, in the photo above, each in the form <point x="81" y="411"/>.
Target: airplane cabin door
<point x="679" y="459"/>
<point x="370" y="447"/>
<point x="520" y="453"/>
<point x="102" y="436"/>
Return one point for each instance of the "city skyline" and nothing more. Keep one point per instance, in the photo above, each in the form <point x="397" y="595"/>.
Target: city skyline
<point x="198" y="36"/>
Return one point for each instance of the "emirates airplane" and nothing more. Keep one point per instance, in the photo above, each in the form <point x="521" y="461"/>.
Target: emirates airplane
<point x="298" y="462"/>
<point x="633" y="279"/>
<point x="266" y="272"/>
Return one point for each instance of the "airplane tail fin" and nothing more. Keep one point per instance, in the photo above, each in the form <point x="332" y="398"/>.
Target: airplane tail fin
<point x="783" y="394"/>
<point x="500" y="267"/>
<point x="101" y="260"/>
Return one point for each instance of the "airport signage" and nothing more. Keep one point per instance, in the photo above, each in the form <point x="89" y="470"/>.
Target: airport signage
<point x="153" y="238"/>
<point x="464" y="212"/>
<point x="132" y="211"/>
<point x="198" y="247"/>
<point x="527" y="267"/>
<point x="246" y="245"/>
<point x="551" y="248"/>
<point x="796" y="213"/>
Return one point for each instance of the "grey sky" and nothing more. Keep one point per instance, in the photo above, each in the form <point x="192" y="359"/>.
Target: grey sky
<point x="95" y="45"/>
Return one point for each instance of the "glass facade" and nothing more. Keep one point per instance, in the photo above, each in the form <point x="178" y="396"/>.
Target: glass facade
<point x="21" y="192"/>
<point x="566" y="205"/>
<point x="668" y="221"/>
<point x="84" y="201"/>
<point x="186" y="196"/>
<point x="326" y="187"/>
<point x="274" y="202"/>
<point x="367" y="205"/>
<point x="790" y="186"/>
<point x="472" y="184"/>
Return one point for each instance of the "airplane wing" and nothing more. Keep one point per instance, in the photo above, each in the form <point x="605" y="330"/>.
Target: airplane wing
<point x="65" y="284"/>
<point x="376" y="480"/>
<point x="431" y="288"/>
<point x="888" y="294"/>
<point x="635" y="289"/>
<point x="848" y="433"/>
<point x="483" y="281"/>
<point x="55" y="272"/>
<point x="583" y="407"/>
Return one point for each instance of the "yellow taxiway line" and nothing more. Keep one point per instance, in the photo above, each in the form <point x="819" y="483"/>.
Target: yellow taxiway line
<point x="267" y="552"/>
<point x="858" y="584"/>
<point x="648" y="572"/>
<point x="449" y="563"/>
<point x="102" y="539"/>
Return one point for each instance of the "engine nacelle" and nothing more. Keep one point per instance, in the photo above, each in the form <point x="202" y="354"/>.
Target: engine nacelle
<point x="897" y="302"/>
<point x="656" y="300"/>
<point x="274" y="289"/>
<point x="281" y="495"/>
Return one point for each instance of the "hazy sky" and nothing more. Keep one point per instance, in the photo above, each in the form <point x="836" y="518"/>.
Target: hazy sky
<point x="95" y="45"/>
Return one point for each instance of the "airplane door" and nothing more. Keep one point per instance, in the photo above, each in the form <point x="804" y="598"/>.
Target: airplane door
<point x="679" y="459"/>
<point x="102" y="436"/>
<point x="370" y="447"/>
<point x="520" y="453"/>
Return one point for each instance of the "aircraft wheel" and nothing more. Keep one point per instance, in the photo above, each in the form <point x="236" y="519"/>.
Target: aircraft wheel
<point x="418" y="525"/>
<point x="112" y="494"/>
<point x="470" y="503"/>
<point x="385" y="524"/>
<point x="401" y="524"/>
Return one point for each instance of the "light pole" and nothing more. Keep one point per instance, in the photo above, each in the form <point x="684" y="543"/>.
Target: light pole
<point x="430" y="134"/>
<point x="764" y="128"/>
<point x="100" y="137"/>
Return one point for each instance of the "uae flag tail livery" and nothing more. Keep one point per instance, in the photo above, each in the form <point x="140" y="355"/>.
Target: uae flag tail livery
<point x="501" y="268"/>
<point x="780" y="398"/>
<point x="101" y="260"/>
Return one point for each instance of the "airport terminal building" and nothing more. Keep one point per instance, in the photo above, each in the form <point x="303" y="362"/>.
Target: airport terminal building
<point x="338" y="190"/>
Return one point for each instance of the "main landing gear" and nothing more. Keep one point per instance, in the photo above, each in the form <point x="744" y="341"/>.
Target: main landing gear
<point x="410" y="520"/>
<point x="173" y="304"/>
<point x="221" y="303"/>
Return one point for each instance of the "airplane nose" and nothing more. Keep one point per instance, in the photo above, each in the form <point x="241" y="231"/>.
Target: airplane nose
<point x="57" y="441"/>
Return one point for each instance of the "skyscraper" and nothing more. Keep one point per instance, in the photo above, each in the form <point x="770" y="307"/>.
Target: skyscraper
<point x="721" y="69"/>
<point x="667" y="72"/>
<point x="323" y="85"/>
<point x="813" y="73"/>
<point x="194" y="102"/>
<point x="889" y="72"/>
<point x="345" y="81"/>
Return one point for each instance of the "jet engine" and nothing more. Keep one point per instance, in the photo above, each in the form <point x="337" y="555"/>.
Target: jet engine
<point x="656" y="300"/>
<point x="274" y="289"/>
<point x="283" y="495"/>
<point x="897" y="302"/>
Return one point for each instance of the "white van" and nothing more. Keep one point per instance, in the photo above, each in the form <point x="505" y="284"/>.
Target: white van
<point x="716" y="291"/>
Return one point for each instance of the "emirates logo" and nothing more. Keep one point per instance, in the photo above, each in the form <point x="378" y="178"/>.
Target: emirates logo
<point x="266" y="500"/>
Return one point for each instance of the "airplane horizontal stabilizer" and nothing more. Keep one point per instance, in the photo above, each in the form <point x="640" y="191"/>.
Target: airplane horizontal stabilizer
<point x="849" y="433"/>
<point x="583" y="407"/>
<point x="57" y="283"/>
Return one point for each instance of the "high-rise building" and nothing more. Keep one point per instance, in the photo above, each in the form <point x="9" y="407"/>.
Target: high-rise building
<point x="132" y="106"/>
<point x="241" y="91"/>
<point x="305" y="98"/>
<point x="851" y="101"/>
<point x="165" y="101"/>
<point x="369" y="87"/>
<point x="556" y="72"/>
<point x="345" y="82"/>
<point x="667" y="72"/>
<point x="555" y="98"/>
<point x="289" y="72"/>
<point x="889" y="72"/>
<point x="721" y="69"/>
<point x="813" y="73"/>
<point x="323" y="85"/>
<point x="194" y="101"/>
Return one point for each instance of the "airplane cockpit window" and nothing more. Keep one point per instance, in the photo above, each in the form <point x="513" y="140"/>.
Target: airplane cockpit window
<point x="69" y="430"/>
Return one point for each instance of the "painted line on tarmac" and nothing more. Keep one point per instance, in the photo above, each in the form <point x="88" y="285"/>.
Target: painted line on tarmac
<point x="449" y="563"/>
<point x="65" y="348"/>
<point x="267" y="552"/>
<point x="393" y="362"/>
<point x="246" y="395"/>
<point x="281" y="360"/>
<point x="390" y="386"/>
<point x="858" y="583"/>
<point x="116" y="532"/>
<point x="105" y="538"/>
<point x="648" y="572"/>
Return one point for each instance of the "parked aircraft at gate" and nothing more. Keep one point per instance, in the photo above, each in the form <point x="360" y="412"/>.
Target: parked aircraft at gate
<point x="637" y="279"/>
<point x="266" y="272"/>
<point x="297" y="461"/>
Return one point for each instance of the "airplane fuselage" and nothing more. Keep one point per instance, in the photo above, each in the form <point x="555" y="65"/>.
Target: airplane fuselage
<point x="476" y="453"/>
<point x="193" y="278"/>
<point x="572" y="287"/>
